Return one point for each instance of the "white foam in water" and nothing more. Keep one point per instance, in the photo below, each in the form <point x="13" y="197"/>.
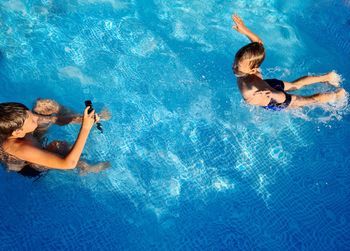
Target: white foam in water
<point x="75" y="73"/>
<point x="222" y="184"/>
<point x="193" y="136"/>
<point x="108" y="24"/>
<point x="161" y="114"/>
<point x="175" y="187"/>
<point x="135" y="38"/>
<point x="76" y="51"/>
<point x="124" y="182"/>
<point x="336" y="79"/>
<point x="174" y="158"/>
<point x="263" y="182"/>
<point x="116" y="4"/>
<point x="161" y="193"/>
<point x="15" y="5"/>
<point x="202" y="103"/>
<point x="189" y="21"/>
<point x="146" y="46"/>
<point x="245" y="158"/>
<point x="271" y="72"/>
<point x="280" y="155"/>
<point x="323" y="113"/>
<point x="179" y="31"/>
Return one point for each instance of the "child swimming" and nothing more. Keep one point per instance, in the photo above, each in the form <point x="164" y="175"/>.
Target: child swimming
<point x="21" y="138"/>
<point x="273" y="94"/>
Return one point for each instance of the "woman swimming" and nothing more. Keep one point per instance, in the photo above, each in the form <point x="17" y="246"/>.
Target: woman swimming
<point x="21" y="138"/>
<point x="273" y="94"/>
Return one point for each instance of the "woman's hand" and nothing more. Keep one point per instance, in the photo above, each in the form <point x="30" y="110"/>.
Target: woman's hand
<point x="89" y="118"/>
<point x="239" y="25"/>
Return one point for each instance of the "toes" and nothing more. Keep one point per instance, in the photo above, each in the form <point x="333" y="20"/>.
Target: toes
<point x="334" y="78"/>
<point x="341" y="93"/>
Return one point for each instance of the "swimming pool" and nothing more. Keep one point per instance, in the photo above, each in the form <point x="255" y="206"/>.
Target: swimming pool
<point x="193" y="167"/>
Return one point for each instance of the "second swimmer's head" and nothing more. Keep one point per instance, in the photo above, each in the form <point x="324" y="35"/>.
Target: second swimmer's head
<point x="248" y="59"/>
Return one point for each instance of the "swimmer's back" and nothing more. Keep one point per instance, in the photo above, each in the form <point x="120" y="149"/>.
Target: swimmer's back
<point x="256" y="91"/>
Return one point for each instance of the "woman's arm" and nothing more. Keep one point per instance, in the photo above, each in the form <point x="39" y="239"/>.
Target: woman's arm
<point x="28" y="152"/>
<point x="241" y="28"/>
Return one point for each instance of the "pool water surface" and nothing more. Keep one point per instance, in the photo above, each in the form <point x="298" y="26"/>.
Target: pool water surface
<point x="192" y="166"/>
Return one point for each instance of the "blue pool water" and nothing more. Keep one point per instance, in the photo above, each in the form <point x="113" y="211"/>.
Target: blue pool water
<point x="193" y="167"/>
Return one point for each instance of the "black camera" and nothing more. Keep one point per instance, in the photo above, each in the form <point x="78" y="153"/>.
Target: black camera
<point x="89" y="103"/>
<point x="98" y="124"/>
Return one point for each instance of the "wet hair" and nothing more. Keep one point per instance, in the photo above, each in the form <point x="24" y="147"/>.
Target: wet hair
<point x="12" y="117"/>
<point x="253" y="52"/>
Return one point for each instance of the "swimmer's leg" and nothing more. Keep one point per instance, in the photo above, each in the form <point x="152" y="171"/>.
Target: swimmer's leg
<point x="44" y="108"/>
<point x="332" y="78"/>
<point x="62" y="148"/>
<point x="86" y="168"/>
<point x="319" y="98"/>
<point x="49" y="107"/>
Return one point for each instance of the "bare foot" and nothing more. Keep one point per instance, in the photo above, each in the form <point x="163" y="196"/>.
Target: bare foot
<point x="105" y="114"/>
<point x="340" y="93"/>
<point x="86" y="168"/>
<point x="333" y="78"/>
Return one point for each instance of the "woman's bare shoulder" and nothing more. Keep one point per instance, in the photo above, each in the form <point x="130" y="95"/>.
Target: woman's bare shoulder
<point x="13" y="146"/>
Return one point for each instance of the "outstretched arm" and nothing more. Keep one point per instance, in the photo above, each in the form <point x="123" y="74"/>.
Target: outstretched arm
<point x="241" y="28"/>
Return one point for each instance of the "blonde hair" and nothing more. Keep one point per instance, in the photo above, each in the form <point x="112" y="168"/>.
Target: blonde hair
<point x="254" y="53"/>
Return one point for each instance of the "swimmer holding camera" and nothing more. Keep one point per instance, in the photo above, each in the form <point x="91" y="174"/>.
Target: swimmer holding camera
<point x="21" y="137"/>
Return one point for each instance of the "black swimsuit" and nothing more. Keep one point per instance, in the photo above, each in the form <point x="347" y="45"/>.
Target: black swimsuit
<point x="26" y="169"/>
<point x="279" y="86"/>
